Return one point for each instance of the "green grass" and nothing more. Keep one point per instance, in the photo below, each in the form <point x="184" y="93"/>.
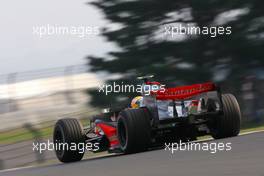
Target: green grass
<point x="252" y="127"/>
<point x="22" y="134"/>
<point x="249" y="127"/>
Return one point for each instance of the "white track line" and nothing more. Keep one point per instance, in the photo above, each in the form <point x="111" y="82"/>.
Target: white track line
<point x="251" y="132"/>
<point x="20" y="168"/>
<point x="14" y="169"/>
<point x="26" y="167"/>
<point x="241" y="134"/>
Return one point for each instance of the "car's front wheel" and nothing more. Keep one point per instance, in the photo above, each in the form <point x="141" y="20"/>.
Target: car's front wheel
<point x="68" y="132"/>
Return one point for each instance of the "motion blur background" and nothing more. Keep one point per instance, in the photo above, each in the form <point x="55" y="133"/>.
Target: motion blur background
<point x="31" y="101"/>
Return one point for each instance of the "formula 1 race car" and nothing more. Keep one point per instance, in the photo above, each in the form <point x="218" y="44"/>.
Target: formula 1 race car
<point x="160" y="115"/>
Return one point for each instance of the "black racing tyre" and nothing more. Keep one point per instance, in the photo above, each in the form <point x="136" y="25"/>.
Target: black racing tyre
<point x="228" y="124"/>
<point x="134" y="130"/>
<point x="68" y="132"/>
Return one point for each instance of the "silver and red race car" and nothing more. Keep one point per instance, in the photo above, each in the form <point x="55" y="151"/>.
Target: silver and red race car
<point x="158" y="116"/>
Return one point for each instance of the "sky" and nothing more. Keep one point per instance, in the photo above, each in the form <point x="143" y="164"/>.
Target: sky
<point x="22" y="50"/>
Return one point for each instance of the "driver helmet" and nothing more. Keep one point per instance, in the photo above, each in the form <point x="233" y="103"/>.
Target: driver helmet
<point x="137" y="102"/>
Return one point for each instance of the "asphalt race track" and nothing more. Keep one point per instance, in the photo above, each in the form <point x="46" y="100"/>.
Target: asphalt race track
<point x="245" y="159"/>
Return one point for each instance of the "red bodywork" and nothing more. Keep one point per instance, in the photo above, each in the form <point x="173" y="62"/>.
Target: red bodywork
<point x="110" y="132"/>
<point x="184" y="92"/>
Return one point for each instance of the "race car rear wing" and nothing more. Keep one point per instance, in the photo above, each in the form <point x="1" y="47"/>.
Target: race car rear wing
<point x="181" y="94"/>
<point x="184" y="92"/>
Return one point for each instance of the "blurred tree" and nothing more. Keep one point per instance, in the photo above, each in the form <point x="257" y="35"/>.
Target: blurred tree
<point x="137" y="27"/>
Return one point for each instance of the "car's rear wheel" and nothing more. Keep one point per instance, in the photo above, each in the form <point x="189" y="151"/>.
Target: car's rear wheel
<point x="228" y="124"/>
<point x="68" y="132"/>
<point x="134" y="130"/>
